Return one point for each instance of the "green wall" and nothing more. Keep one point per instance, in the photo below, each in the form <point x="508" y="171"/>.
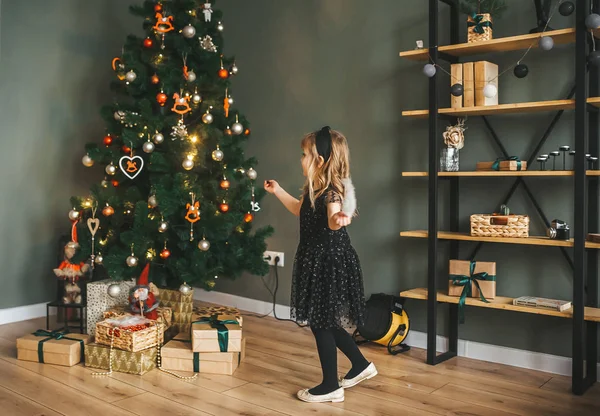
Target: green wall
<point x="303" y="64"/>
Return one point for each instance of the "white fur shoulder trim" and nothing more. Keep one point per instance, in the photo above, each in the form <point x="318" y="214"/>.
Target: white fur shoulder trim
<point x="349" y="204"/>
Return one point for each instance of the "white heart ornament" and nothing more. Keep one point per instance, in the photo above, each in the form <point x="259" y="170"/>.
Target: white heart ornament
<point x="93" y="225"/>
<point x="132" y="170"/>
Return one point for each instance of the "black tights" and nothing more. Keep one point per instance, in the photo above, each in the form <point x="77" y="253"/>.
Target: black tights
<point x="327" y="341"/>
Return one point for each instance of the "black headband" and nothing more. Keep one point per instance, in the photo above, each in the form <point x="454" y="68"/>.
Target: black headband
<point x="323" y="142"/>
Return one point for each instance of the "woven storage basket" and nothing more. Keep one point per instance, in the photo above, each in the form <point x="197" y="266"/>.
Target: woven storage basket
<point x="133" y="341"/>
<point x="473" y="36"/>
<point x="495" y="225"/>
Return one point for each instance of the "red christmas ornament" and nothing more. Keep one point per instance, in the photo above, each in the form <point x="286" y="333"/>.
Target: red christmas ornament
<point x="155" y="79"/>
<point x="158" y="7"/>
<point x="223" y="73"/>
<point x="247" y="132"/>
<point x="228" y="131"/>
<point x="108" y="140"/>
<point x="161" y="97"/>
<point x="115" y="183"/>
<point x="165" y="253"/>
<point x="248" y="217"/>
<point x="224" y="207"/>
<point x="225" y="184"/>
<point x="126" y="149"/>
<point x="148" y="43"/>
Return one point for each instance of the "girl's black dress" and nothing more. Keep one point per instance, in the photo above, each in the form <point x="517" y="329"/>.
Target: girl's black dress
<point x="327" y="281"/>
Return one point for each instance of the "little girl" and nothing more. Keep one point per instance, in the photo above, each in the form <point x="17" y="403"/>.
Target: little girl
<point x="327" y="285"/>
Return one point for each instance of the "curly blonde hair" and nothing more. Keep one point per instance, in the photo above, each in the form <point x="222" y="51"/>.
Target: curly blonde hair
<point x="328" y="177"/>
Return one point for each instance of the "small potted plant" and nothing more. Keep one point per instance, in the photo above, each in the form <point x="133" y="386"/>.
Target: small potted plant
<point x="479" y="21"/>
<point x="454" y="139"/>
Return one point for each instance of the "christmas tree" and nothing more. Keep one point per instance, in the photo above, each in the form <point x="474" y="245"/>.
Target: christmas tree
<point x="178" y="192"/>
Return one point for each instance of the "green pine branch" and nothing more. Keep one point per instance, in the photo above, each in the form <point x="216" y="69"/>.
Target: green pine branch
<point x="496" y="8"/>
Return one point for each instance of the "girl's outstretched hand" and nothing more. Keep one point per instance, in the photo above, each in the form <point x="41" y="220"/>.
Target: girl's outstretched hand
<point x="342" y="219"/>
<point x="271" y="186"/>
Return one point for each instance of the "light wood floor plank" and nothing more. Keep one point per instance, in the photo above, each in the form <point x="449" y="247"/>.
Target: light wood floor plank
<point x="148" y="404"/>
<point x="16" y="405"/>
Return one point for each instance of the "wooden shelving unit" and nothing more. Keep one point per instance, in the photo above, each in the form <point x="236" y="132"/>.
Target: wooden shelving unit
<point x="530" y="241"/>
<point x="584" y="258"/>
<point x="500" y="302"/>
<point x="515" y="108"/>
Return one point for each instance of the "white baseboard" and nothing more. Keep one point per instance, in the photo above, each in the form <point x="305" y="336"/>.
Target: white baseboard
<point x="554" y="364"/>
<point x="24" y="313"/>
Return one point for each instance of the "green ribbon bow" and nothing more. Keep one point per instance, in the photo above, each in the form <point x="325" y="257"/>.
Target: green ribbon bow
<point x="477" y="24"/>
<point x="222" y="331"/>
<point x="467" y="283"/>
<point x="55" y="335"/>
<point x="196" y="355"/>
<point x="496" y="165"/>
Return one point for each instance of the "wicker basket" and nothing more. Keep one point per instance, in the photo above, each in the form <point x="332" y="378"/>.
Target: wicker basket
<point x="133" y="341"/>
<point x="473" y="36"/>
<point x="496" y="225"/>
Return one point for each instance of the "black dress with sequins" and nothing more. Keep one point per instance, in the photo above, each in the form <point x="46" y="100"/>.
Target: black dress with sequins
<point x="327" y="281"/>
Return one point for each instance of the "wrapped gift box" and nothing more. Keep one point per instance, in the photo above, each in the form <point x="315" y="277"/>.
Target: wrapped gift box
<point x="513" y="165"/>
<point x="459" y="269"/>
<point x="177" y="355"/>
<point x="140" y="362"/>
<point x="216" y="335"/>
<point x="181" y="305"/>
<point x="129" y="333"/>
<point x="99" y="301"/>
<point x="208" y="311"/>
<point x="44" y="347"/>
<point x="165" y="315"/>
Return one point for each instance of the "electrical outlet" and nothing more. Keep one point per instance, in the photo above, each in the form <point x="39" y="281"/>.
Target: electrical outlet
<point x="269" y="256"/>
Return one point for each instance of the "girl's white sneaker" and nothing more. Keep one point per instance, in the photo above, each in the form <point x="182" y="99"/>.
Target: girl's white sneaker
<point x="366" y="374"/>
<point x="335" y="396"/>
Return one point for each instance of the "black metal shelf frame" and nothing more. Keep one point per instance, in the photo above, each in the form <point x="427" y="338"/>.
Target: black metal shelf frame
<point x="586" y="208"/>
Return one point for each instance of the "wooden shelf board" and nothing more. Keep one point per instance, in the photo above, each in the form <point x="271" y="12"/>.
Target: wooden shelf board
<point x="500" y="302"/>
<point x="510" y="43"/>
<point x="499" y="173"/>
<point x="595" y="101"/>
<point x="536" y="241"/>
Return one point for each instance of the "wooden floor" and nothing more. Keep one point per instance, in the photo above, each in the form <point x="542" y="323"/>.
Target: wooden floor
<point x="280" y="359"/>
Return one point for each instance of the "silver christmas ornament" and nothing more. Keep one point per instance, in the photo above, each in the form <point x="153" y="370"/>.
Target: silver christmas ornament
<point x="204" y="245"/>
<point x="132" y="261"/>
<point x="87" y="161"/>
<point x="189" y="31"/>
<point x="218" y="155"/>
<point x="237" y="128"/>
<point x="114" y="290"/>
<point x="98" y="259"/>
<point x="429" y="70"/>
<point x="185" y="289"/>
<point x="119" y="115"/>
<point x="196" y="98"/>
<point x="191" y="77"/>
<point x="163" y="226"/>
<point x="152" y="201"/>
<point x="220" y="27"/>
<point x="188" y="164"/>
<point x="110" y="169"/>
<point x="230" y="101"/>
<point x="148" y="147"/>
<point x="73" y="215"/>
<point x="104" y="183"/>
<point x="207" y="118"/>
<point x="234" y="69"/>
<point x="130" y="76"/>
<point x="158" y="138"/>
<point x="252" y="173"/>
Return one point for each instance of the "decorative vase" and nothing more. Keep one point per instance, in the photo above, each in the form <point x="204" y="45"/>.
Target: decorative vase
<point x="479" y="28"/>
<point x="449" y="161"/>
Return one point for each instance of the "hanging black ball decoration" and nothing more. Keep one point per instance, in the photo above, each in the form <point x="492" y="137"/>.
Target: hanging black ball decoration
<point x="566" y="9"/>
<point x="457" y="90"/>
<point x="594" y="58"/>
<point x="521" y="71"/>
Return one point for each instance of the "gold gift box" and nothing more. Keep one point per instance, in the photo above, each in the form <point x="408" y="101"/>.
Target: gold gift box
<point x="181" y="305"/>
<point x="208" y="311"/>
<point x="97" y="356"/>
<point x="205" y="338"/>
<point x="177" y="355"/>
<point x="55" y="351"/>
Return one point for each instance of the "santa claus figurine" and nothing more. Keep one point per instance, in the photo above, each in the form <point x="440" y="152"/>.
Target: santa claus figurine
<point x="143" y="298"/>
